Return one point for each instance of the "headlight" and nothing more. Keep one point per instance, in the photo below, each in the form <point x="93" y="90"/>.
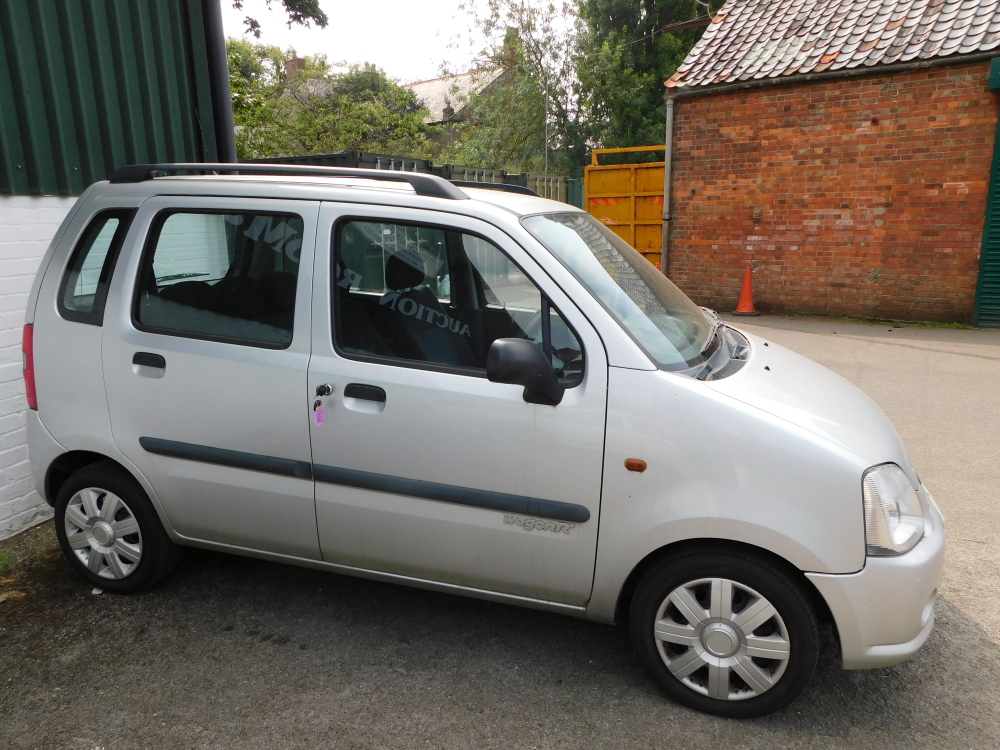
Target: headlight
<point x="894" y="519"/>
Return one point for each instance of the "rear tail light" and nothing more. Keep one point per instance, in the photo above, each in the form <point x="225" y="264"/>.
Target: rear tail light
<point x="28" y="365"/>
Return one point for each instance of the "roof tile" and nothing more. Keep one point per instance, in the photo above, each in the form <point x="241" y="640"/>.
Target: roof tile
<point x="973" y="39"/>
<point x="754" y="39"/>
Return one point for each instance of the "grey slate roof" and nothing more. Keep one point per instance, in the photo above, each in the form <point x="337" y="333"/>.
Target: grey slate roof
<point x="752" y="39"/>
<point x="451" y="91"/>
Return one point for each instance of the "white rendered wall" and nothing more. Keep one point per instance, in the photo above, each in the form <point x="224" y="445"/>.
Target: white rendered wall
<point x="27" y="225"/>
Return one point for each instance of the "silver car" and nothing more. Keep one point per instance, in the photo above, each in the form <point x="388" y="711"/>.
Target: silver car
<point x="470" y="390"/>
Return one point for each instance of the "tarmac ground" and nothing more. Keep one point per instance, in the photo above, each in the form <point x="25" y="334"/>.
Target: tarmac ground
<point x="236" y="652"/>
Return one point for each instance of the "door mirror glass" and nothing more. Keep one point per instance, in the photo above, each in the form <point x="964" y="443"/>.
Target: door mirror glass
<point x="520" y="362"/>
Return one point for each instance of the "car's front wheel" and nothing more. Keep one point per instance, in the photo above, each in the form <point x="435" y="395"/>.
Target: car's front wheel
<point x="725" y="631"/>
<point x="110" y="532"/>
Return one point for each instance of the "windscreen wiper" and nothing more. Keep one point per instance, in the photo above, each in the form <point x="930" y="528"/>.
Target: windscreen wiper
<point x="176" y="276"/>
<point x="716" y="325"/>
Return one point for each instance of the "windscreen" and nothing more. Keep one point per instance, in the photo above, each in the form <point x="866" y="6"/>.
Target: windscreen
<point x="659" y="316"/>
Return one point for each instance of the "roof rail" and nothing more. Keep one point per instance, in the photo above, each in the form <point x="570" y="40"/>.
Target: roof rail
<point x="495" y="186"/>
<point x="428" y="185"/>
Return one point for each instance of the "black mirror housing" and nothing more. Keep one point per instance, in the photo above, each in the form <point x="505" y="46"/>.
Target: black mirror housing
<point x="521" y="362"/>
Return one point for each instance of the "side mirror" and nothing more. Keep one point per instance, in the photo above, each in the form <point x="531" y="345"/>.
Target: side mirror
<point x="521" y="362"/>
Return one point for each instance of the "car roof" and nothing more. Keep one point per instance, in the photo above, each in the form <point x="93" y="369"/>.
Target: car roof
<point x="337" y="188"/>
<point x="519" y="203"/>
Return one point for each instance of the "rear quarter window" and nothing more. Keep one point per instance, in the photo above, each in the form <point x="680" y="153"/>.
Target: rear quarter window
<point x="84" y="287"/>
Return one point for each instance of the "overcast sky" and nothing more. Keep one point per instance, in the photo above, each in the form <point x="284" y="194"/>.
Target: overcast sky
<point x="409" y="39"/>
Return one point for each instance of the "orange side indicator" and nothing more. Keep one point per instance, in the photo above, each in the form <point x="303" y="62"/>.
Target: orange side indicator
<point x="635" y="464"/>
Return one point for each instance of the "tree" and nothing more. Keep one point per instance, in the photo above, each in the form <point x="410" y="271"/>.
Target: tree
<point x="534" y="45"/>
<point x="254" y="80"/>
<point x="358" y="109"/>
<point x="302" y="12"/>
<point x="257" y="83"/>
<point x="624" y="58"/>
<point x="504" y="126"/>
<point x="602" y="64"/>
<point x="318" y="109"/>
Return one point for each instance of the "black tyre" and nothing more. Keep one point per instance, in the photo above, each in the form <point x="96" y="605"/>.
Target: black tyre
<point x="725" y="631"/>
<point x="110" y="532"/>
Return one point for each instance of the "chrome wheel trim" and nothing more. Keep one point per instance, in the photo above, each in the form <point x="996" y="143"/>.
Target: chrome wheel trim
<point x="722" y="639"/>
<point x="103" y="533"/>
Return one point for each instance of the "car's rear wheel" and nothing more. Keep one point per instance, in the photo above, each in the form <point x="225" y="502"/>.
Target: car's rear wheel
<point x="725" y="631"/>
<point x="110" y="532"/>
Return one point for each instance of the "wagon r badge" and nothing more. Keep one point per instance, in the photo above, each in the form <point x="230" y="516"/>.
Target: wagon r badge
<point x="536" y="523"/>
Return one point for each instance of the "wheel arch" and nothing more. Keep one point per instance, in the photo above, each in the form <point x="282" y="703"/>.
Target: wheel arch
<point x="152" y="553"/>
<point x="628" y="589"/>
<point x="67" y="464"/>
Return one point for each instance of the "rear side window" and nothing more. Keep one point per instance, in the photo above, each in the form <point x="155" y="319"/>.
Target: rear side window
<point x="84" y="287"/>
<point x="221" y="276"/>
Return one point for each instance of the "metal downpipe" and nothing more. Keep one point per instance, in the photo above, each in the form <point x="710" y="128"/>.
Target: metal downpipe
<point x="667" y="164"/>
<point x="218" y="72"/>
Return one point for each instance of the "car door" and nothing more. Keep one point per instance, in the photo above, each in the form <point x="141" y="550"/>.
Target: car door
<point x="205" y="356"/>
<point x="424" y="469"/>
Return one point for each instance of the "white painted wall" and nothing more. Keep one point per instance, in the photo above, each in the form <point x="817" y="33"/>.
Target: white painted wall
<point x="27" y="224"/>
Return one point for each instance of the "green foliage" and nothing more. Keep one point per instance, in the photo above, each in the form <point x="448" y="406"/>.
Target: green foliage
<point x="574" y="75"/>
<point x="504" y="126"/>
<point x="257" y="82"/>
<point x="4" y="561"/>
<point x="318" y="110"/>
<point x="603" y="64"/>
<point x="301" y="12"/>
<point x="624" y="58"/>
<point x="533" y="46"/>
<point x="358" y="109"/>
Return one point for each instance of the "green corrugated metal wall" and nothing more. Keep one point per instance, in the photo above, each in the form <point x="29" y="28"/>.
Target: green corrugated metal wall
<point x="87" y="86"/>
<point x="987" y="312"/>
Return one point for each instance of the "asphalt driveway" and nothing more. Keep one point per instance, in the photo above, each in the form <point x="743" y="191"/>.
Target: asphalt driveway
<point x="233" y="652"/>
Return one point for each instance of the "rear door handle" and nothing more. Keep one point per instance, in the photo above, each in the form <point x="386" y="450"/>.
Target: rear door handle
<point x="148" y="359"/>
<point x="365" y="392"/>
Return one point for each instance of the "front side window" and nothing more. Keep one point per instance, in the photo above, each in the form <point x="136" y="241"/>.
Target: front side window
<point x="436" y="296"/>
<point x="221" y="276"/>
<point x="84" y="288"/>
<point x="659" y="316"/>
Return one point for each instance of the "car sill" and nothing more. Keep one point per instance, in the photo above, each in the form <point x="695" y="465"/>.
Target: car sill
<point x="374" y="575"/>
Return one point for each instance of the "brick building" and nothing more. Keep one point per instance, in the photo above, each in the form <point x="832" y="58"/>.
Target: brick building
<point x="843" y="149"/>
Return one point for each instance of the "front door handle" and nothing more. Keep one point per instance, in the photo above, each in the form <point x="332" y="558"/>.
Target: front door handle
<point x="365" y="392"/>
<point x="148" y="359"/>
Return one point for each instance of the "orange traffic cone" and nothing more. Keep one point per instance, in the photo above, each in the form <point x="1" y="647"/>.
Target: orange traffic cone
<point x="746" y="296"/>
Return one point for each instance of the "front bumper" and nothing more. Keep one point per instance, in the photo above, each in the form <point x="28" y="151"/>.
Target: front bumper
<point x="885" y="612"/>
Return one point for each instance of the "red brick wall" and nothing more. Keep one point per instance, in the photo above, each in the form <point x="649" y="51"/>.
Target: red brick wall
<point x="856" y="217"/>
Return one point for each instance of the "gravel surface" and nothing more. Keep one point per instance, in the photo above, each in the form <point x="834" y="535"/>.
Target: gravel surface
<point x="234" y="652"/>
